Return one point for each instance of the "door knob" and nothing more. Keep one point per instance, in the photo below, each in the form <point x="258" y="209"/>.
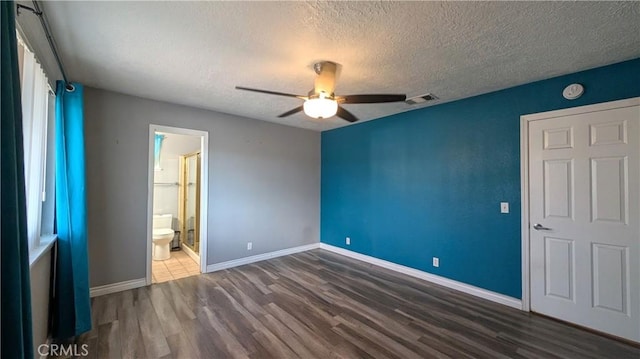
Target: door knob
<point x="539" y="227"/>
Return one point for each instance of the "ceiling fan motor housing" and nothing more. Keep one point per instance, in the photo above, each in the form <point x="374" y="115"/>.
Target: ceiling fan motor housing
<point x="326" y="80"/>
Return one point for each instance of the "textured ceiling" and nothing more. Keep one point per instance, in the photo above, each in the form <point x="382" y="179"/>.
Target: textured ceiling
<point x="194" y="53"/>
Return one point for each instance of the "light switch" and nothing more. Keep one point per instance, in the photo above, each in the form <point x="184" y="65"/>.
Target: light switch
<point x="504" y="207"/>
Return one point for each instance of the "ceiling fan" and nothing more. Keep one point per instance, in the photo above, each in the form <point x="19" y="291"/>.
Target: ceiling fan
<point x="321" y="102"/>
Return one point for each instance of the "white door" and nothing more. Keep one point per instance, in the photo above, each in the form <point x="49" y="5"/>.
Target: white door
<point x="584" y="194"/>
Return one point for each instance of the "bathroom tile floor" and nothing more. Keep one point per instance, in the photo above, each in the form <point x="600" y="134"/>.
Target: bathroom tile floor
<point x="180" y="265"/>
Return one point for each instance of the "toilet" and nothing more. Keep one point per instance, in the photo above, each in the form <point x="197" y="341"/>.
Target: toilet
<point x="162" y="236"/>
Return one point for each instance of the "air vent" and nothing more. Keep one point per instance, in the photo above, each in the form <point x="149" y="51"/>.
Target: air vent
<point x="417" y="100"/>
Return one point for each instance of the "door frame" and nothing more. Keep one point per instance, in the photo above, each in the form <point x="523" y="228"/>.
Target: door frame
<point x="182" y="196"/>
<point x="204" y="190"/>
<point x="524" y="177"/>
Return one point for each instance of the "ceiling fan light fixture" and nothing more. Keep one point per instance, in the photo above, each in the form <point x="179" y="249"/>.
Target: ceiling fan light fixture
<point x="321" y="101"/>
<point x="320" y="107"/>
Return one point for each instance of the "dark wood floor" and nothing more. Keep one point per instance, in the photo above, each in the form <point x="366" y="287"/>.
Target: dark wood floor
<point x="321" y="305"/>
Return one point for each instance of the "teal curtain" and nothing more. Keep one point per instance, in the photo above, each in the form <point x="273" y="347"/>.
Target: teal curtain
<point x="17" y="341"/>
<point x="72" y="306"/>
<point x="157" y="150"/>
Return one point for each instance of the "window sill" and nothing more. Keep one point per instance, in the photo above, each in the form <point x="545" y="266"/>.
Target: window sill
<point x="46" y="242"/>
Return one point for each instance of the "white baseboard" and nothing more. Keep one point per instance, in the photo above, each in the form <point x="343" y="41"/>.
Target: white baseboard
<point x="445" y="282"/>
<point x="190" y="253"/>
<point x="260" y="257"/>
<point x="117" y="287"/>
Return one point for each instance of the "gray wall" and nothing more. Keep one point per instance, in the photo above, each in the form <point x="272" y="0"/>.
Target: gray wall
<point x="264" y="183"/>
<point x="40" y="283"/>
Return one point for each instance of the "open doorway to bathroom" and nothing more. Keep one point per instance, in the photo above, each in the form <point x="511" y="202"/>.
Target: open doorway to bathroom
<point x="177" y="203"/>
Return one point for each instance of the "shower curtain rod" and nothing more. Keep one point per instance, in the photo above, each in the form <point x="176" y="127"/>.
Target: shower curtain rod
<point x="43" y="21"/>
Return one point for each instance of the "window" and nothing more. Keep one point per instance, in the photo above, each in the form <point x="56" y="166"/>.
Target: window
<point x="37" y="123"/>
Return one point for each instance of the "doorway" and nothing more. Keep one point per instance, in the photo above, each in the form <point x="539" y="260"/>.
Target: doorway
<point x="581" y="216"/>
<point x="169" y="187"/>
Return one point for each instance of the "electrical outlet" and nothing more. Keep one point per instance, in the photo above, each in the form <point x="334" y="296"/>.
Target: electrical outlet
<point x="249" y="246"/>
<point x="348" y="241"/>
<point x="504" y="207"/>
<point x="436" y="262"/>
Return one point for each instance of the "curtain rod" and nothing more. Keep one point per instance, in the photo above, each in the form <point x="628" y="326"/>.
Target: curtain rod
<point x="43" y="21"/>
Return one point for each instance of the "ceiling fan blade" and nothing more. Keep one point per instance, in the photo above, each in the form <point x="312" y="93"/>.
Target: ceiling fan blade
<point x="380" y="98"/>
<point x="346" y="115"/>
<point x="270" y="92"/>
<point x="291" y="112"/>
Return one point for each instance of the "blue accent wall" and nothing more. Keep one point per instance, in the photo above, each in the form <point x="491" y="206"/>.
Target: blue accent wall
<point x="429" y="182"/>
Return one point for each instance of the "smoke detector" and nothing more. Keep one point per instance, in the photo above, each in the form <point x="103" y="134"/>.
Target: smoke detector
<point x="420" y="99"/>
